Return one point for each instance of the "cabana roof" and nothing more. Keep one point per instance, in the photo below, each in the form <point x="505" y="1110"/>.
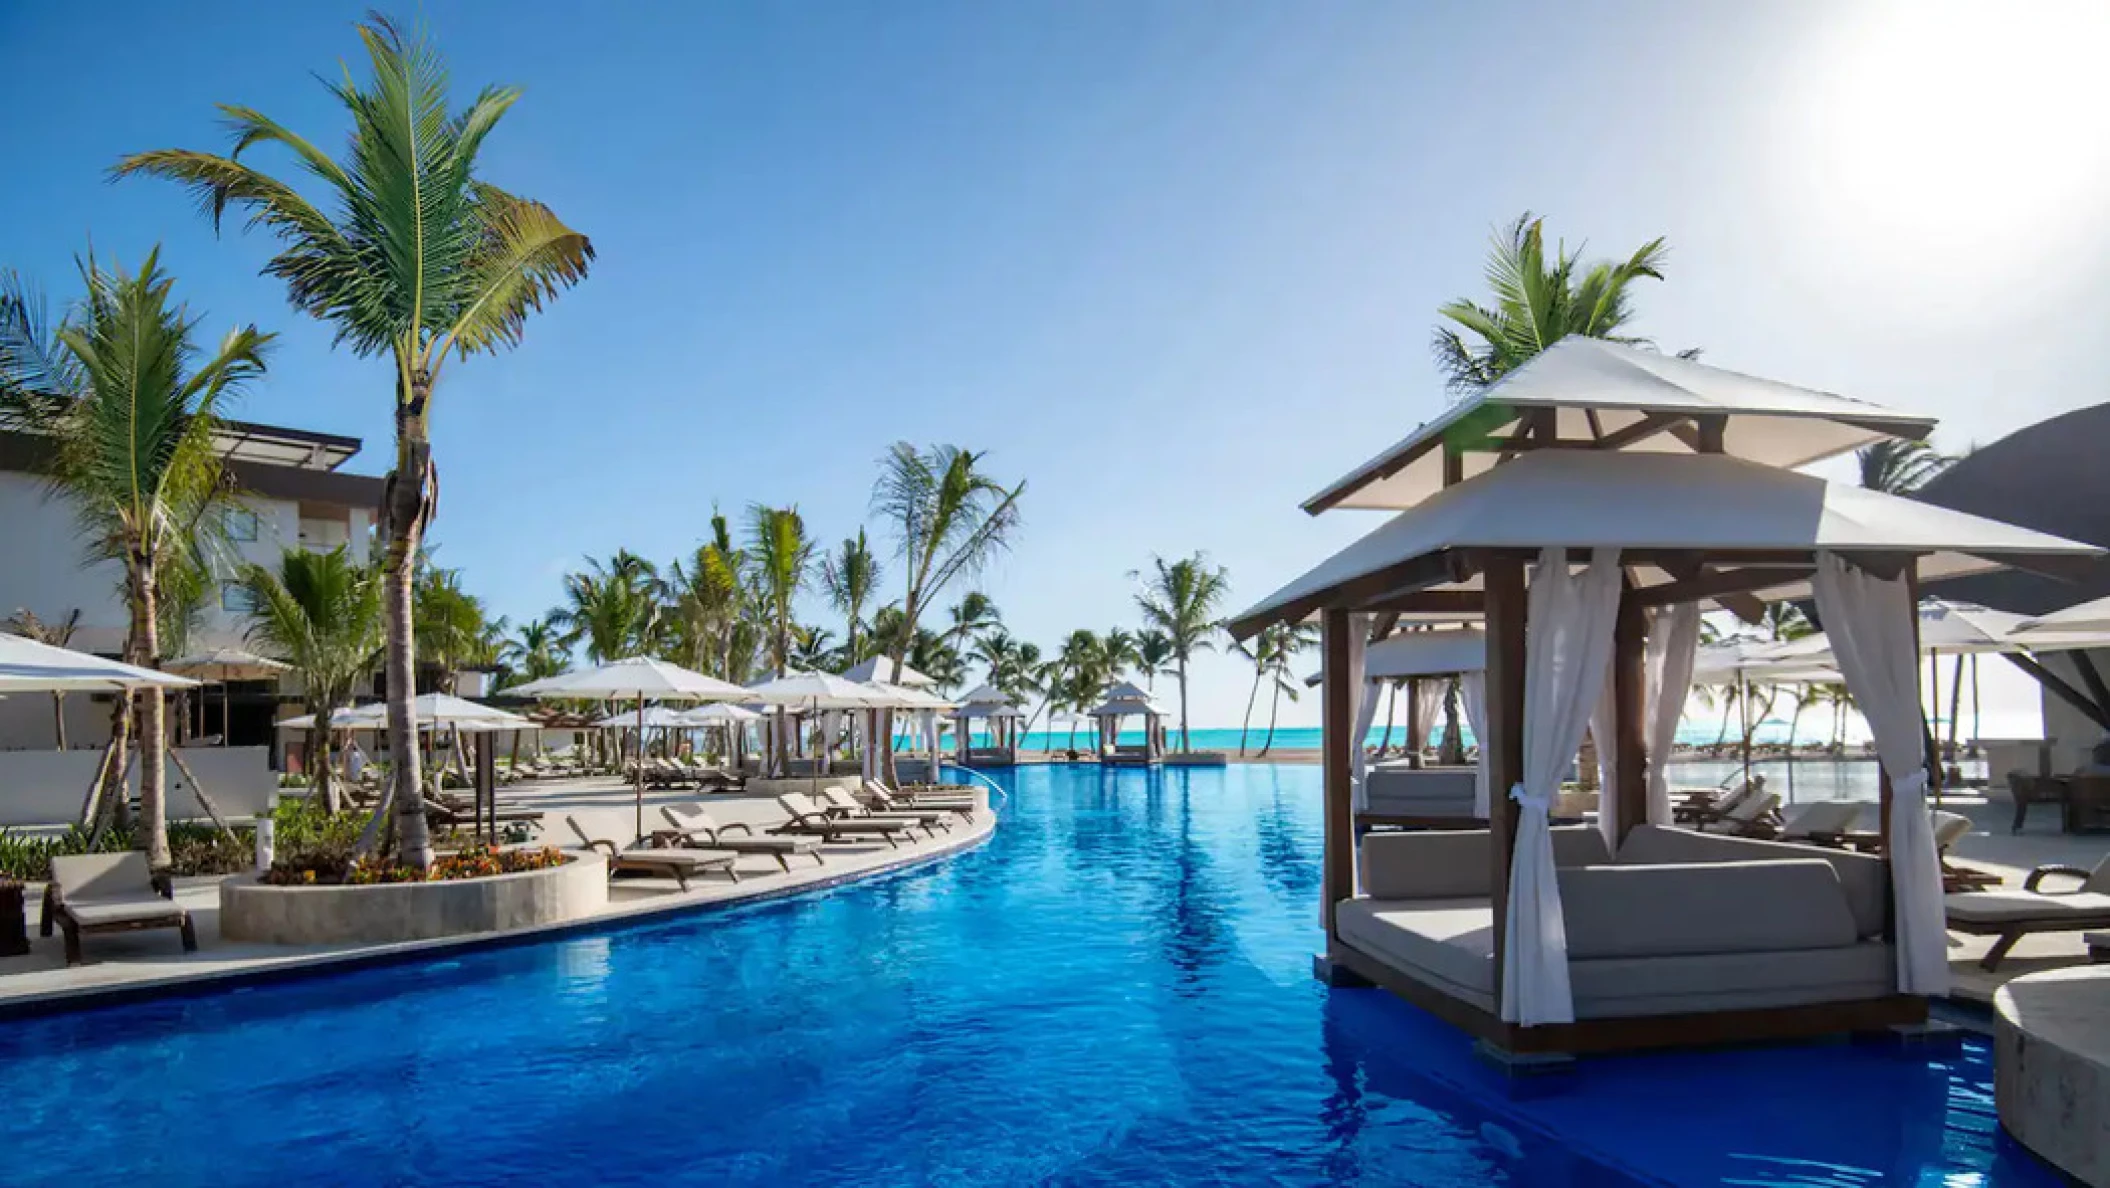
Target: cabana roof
<point x="1591" y="394"/>
<point x="882" y="670"/>
<point x="1444" y="652"/>
<point x="985" y="694"/>
<point x="1121" y="707"/>
<point x="1671" y="514"/>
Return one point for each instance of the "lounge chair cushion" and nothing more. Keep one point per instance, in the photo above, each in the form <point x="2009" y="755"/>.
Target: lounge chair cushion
<point x="1862" y="876"/>
<point x="670" y="856"/>
<point x="1448" y="943"/>
<point x="95" y="913"/>
<point x="1452" y="864"/>
<point x="1688" y="910"/>
<point x="1431" y="792"/>
<point x="1623" y="987"/>
<point x="2000" y="907"/>
<point x="122" y="875"/>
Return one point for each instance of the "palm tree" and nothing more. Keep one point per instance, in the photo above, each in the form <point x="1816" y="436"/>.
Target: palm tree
<point x="1537" y="303"/>
<point x="974" y="613"/>
<point x="948" y="519"/>
<point x="321" y="614"/>
<point x="608" y="610"/>
<point x="710" y="596"/>
<point x="536" y="650"/>
<point x="58" y="634"/>
<point x="1899" y="467"/>
<point x="411" y="255"/>
<point x="448" y="624"/>
<point x="132" y="436"/>
<point x="1153" y="656"/>
<point x="1180" y="599"/>
<point x="851" y="576"/>
<point x="1255" y="651"/>
<point x="1291" y="640"/>
<point x="782" y="555"/>
<point x="1123" y="651"/>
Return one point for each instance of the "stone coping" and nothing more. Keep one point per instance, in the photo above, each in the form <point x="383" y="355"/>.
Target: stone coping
<point x="2052" y="1067"/>
<point x="224" y="966"/>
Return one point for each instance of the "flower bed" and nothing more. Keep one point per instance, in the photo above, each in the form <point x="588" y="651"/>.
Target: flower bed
<point x="474" y="862"/>
<point x="550" y="887"/>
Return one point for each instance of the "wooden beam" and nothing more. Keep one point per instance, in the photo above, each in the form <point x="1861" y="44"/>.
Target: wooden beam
<point x="1464" y="603"/>
<point x="1596" y="425"/>
<point x="1517" y="443"/>
<point x="1453" y="465"/>
<point x="1384" y="626"/>
<point x="1337" y="756"/>
<point x="1719" y="583"/>
<point x="1641" y="430"/>
<point x="1428" y="569"/>
<point x="1713" y="430"/>
<point x="1629" y="739"/>
<point x="2089" y="676"/>
<point x="1417" y="730"/>
<point x="1504" y="744"/>
<point x="1747" y="607"/>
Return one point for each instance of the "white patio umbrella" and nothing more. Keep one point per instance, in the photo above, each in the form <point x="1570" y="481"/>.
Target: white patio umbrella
<point x="817" y="691"/>
<point x="429" y="709"/>
<point x="27" y="666"/>
<point x="638" y="678"/>
<point x="222" y="665"/>
<point x="659" y="717"/>
<point x="2086" y="617"/>
<point x="734" y="719"/>
<point x="882" y="670"/>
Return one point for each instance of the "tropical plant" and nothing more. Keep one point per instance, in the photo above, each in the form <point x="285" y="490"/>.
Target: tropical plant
<point x="129" y="410"/>
<point x="536" y="650"/>
<point x="58" y="634"/>
<point x="1537" y="302"/>
<point x="712" y="629"/>
<point x="1899" y="467"/>
<point x="851" y="576"/>
<point x="782" y="554"/>
<point x="1153" y="657"/>
<point x="321" y="614"/>
<point x="1180" y="599"/>
<point x="948" y="519"/>
<point x="1290" y="641"/>
<point x="449" y="625"/>
<point x="409" y="254"/>
<point x="610" y="608"/>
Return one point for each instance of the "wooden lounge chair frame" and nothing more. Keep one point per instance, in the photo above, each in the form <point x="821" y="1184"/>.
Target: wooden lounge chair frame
<point x="845" y="807"/>
<point x="56" y="911"/>
<point x="814" y="822"/>
<point x="715" y="837"/>
<point x="678" y="864"/>
<point x="2010" y="932"/>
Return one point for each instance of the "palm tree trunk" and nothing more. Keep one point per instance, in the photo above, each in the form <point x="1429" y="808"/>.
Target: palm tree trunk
<point x="319" y="761"/>
<point x="153" y="736"/>
<point x="58" y="719"/>
<point x="1186" y="745"/>
<point x="1384" y="744"/>
<point x="1274" y="710"/>
<point x="406" y="510"/>
<point x="1247" y="721"/>
<point x="116" y="800"/>
<point x="1955" y="705"/>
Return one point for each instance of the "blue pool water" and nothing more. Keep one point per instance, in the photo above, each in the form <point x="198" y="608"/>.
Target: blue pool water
<point x="1114" y="990"/>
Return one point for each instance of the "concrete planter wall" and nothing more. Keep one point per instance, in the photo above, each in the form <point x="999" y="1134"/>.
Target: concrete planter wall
<point x="2051" y="1067"/>
<point x="384" y="912"/>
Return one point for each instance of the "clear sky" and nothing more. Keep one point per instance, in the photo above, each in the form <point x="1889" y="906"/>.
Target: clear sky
<point x="1174" y="264"/>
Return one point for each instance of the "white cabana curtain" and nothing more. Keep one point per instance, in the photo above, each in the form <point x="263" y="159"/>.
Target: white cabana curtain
<point x="866" y="721"/>
<point x="1362" y="697"/>
<point x="1870" y="623"/>
<point x="1568" y="646"/>
<point x="1673" y="643"/>
<point x="930" y="736"/>
<point x="1428" y="710"/>
<point x="1472" y="695"/>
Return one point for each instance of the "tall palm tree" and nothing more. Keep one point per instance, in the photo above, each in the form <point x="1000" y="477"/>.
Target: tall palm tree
<point x="973" y="614"/>
<point x="1180" y="598"/>
<point x="321" y="614"/>
<point x="448" y="624"/>
<point x="1123" y="650"/>
<point x="851" y="576"/>
<point x="536" y="650"/>
<point x="1291" y="640"/>
<point x="1153" y="656"/>
<point x="58" y="634"/>
<point x="607" y="609"/>
<point x="409" y="254"/>
<point x="1257" y="651"/>
<point x="1899" y="467"/>
<point x="948" y="518"/>
<point x="709" y="598"/>
<point x="1537" y="302"/>
<point x="130" y="419"/>
<point x="783" y="557"/>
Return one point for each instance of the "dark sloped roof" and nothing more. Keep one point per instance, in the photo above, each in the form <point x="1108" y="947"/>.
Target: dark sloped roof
<point x="2053" y="476"/>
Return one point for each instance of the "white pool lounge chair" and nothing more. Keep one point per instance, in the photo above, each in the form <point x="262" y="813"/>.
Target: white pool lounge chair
<point x="598" y="833"/>
<point x="693" y="826"/>
<point x="2012" y="915"/>
<point x="806" y="817"/>
<point x="110" y="893"/>
<point x="839" y="804"/>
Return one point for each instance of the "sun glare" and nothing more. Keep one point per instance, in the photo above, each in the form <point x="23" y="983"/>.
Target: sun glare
<point x="1974" y="135"/>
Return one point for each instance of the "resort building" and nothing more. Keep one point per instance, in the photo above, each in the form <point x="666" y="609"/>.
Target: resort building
<point x="291" y="492"/>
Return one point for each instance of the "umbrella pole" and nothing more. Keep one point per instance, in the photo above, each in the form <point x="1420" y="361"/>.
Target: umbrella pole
<point x="226" y="714"/>
<point x="639" y="823"/>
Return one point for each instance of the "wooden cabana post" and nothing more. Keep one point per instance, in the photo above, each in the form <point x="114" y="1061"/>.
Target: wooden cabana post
<point x="1503" y="576"/>
<point x="1337" y="873"/>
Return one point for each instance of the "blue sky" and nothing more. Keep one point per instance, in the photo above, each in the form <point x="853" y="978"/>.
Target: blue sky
<point x="1174" y="264"/>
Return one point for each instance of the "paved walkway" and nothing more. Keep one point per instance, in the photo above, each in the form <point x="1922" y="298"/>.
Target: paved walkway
<point x="143" y="961"/>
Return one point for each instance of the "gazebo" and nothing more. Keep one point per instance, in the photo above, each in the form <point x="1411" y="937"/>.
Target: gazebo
<point x="988" y="704"/>
<point x="1586" y="509"/>
<point x="1125" y="700"/>
<point x="1409" y="792"/>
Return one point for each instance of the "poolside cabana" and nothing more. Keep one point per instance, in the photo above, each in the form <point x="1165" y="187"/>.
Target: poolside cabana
<point x="1410" y="792"/>
<point x="1004" y="720"/>
<point x="1125" y="700"/>
<point x="883" y="671"/>
<point x="1589" y="562"/>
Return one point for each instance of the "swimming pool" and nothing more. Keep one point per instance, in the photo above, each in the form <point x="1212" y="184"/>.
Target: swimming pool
<point x="1115" y="990"/>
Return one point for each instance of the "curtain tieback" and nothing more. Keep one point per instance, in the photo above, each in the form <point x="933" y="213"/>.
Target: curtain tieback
<point x="1518" y="794"/>
<point x="1912" y="783"/>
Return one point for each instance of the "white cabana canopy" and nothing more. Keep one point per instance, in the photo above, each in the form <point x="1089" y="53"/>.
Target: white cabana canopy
<point x="27" y="666"/>
<point x="656" y="717"/>
<point x="430" y="709"/>
<point x="818" y="690"/>
<point x="2087" y="620"/>
<point x="717" y="714"/>
<point x="1121" y="707"/>
<point x="1653" y="503"/>
<point x="1442" y="652"/>
<point x="226" y="664"/>
<point x="1618" y="398"/>
<point x="903" y="697"/>
<point x="639" y="677"/>
<point x="985" y="694"/>
<point x="882" y="669"/>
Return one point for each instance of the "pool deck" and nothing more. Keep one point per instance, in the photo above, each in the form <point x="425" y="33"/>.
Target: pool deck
<point x="133" y="965"/>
